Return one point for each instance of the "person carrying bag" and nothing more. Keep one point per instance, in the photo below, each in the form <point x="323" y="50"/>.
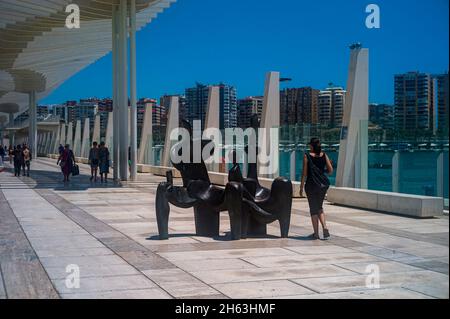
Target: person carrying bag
<point x="315" y="164"/>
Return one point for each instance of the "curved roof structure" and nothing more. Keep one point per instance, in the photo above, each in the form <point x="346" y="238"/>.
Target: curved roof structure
<point x="37" y="50"/>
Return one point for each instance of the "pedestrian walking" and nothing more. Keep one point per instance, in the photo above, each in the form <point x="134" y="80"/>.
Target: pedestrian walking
<point x="94" y="160"/>
<point x="315" y="164"/>
<point x="103" y="155"/>
<point x="18" y="160"/>
<point x="66" y="161"/>
<point x="27" y="157"/>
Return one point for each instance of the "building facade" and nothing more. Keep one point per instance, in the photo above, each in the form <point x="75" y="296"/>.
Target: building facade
<point x="381" y="115"/>
<point x="247" y="107"/>
<point x="331" y="103"/>
<point x="413" y="101"/>
<point x="197" y="102"/>
<point x="299" y="106"/>
<point x="440" y="104"/>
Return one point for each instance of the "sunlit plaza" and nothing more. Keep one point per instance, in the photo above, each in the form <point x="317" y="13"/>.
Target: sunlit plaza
<point x="226" y="229"/>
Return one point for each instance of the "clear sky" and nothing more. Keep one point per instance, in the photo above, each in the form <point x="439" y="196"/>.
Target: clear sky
<point x="238" y="41"/>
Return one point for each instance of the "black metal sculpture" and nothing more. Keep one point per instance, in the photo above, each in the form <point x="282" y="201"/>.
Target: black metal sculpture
<point x="262" y="206"/>
<point x="250" y="206"/>
<point x="197" y="191"/>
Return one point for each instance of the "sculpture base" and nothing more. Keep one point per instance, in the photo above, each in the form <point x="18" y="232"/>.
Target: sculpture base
<point x="207" y="221"/>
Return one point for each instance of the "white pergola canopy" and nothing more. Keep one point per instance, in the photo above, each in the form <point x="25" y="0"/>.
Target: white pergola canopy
<point x="38" y="52"/>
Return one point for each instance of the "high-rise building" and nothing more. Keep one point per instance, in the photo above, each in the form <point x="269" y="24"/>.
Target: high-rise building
<point x="247" y="107"/>
<point x="440" y="103"/>
<point x="331" y="106"/>
<point x="105" y="106"/>
<point x="86" y="108"/>
<point x="413" y="101"/>
<point x="382" y="115"/>
<point x="299" y="105"/>
<point x="63" y="110"/>
<point x="197" y="102"/>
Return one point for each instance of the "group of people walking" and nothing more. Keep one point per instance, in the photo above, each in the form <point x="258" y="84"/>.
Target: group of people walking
<point x="20" y="155"/>
<point x="98" y="160"/>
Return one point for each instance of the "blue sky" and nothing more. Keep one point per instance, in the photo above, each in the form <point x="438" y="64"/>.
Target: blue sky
<point x="238" y="41"/>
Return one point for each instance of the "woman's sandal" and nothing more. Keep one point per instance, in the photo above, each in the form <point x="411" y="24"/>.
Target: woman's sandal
<point x="326" y="234"/>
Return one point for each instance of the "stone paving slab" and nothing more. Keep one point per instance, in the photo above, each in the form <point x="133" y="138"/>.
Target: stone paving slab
<point x="389" y="293"/>
<point x="151" y="293"/>
<point x="428" y="280"/>
<point x="262" y="289"/>
<point x="243" y="275"/>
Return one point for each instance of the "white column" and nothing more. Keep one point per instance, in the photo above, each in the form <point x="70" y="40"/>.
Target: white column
<point x="354" y="145"/>
<point x="133" y="111"/>
<point x="63" y="134"/>
<point x="96" y="132"/>
<point x="123" y="92"/>
<point x="172" y="124"/>
<point x="270" y="120"/>
<point x="440" y="175"/>
<point x="146" y="144"/>
<point x="32" y="128"/>
<point x="56" y="140"/>
<point x="292" y="165"/>
<point x="69" y="136"/>
<point x="396" y="172"/>
<point x="49" y="144"/>
<point x="109" y="130"/>
<point x="11" y="132"/>
<point x="212" y="119"/>
<point x="85" y="143"/>
<point x="77" y="139"/>
<point x="116" y="113"/>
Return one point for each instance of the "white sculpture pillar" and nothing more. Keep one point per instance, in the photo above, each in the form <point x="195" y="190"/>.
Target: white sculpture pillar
<point x="48" y="145"/>
<point x="172" y="124"/>
<point x="109" y="130"/>
<point x="268" y="141"/>
<point x="353" y="151"/>
<point x="292" y="159"/>
<point x="56" y="139"/>
<point x="440" y="175"/>
<point x="96" y="132"/>
<point x="32" y="129"/>
<point x="146" y="144"/>
<point x="133" y="107"/>
<point x="85" y="143"/>
<point x="77" y="139"/>
<point x="123" y="92"/>
<point x="212" y="119"/>
<point x="63" y="134"/>
<point x="115" y="75"/>
<point x="11" y="133"/>
<point x="69" y="136"/>
<point x="396" y="172"/>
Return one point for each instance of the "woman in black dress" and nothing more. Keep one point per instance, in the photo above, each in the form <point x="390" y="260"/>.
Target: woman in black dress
<point x="314" y="192"/>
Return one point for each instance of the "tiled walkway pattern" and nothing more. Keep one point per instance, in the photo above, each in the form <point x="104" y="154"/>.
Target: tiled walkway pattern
<point x="109" y="233"/>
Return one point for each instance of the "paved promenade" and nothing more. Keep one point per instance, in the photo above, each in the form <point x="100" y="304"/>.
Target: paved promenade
<point x="109" y="233"/>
